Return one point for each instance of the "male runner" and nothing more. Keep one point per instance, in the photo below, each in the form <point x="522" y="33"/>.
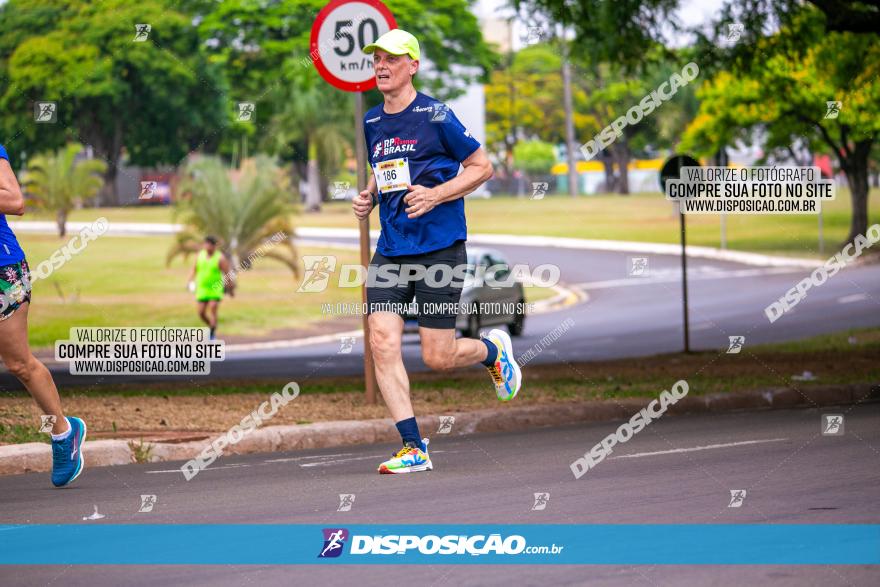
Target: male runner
<point x="415" y="146"/>
<point x="68" y="434"/>
<point x="210" y="279"/>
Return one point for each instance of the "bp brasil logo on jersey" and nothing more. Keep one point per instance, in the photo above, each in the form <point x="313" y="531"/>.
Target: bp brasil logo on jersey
<point x="394" y="145"/>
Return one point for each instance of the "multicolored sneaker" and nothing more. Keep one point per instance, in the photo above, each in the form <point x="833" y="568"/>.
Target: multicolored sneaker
<point x="67" y="459"/>
<point x="410" y="459"/>
<point x="505" y="372"/>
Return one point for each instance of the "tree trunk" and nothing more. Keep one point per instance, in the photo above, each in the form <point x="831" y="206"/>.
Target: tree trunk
<point x="622" y="157"/>
<point x="108" y="195"/>
<point x="313" y="176"/>
<point x="608" y="163"/>
<point x="856" y="169"/>
<point x="61" y="221"/>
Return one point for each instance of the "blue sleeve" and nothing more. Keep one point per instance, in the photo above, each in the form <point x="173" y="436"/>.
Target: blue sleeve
<point x="458" y="141"/>
<point x="3" y="153"/>
<point x="367" y="142"/>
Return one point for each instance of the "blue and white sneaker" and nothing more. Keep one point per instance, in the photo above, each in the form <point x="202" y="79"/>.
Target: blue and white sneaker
<point x="67" y="459"/>
<point x="505" y="372"/>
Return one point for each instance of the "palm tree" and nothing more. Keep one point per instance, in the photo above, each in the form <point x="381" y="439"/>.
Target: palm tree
<point x="246" y="208"/>
<point x="313" y="119"/>
<point x="58" y="182"/>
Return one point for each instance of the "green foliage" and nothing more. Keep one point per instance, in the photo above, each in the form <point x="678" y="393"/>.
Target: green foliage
<point x="159" y="99"/>
<point x="619" y="31"/>
<point x="534" y="156"/>
<point x="21" y="433"/>
<point x="141" y="451"/>
<point x="784" y="94"/>
<point x="526" y="99"/>
<point x="58" y="182"/>
<point x="319" y="118"/>
<point x="244" y="207"/>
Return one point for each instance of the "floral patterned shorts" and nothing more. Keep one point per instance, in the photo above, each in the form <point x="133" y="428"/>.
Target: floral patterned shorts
<point x="15" y="288"/>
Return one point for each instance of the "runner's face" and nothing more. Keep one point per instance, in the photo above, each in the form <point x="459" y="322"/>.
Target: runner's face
<point x="393" y="72"/>
<point x="209" y="248"/>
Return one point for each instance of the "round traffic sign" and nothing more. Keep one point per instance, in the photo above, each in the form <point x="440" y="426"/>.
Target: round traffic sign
<point x="340" y="31"/>
<point x="672" y="168"/>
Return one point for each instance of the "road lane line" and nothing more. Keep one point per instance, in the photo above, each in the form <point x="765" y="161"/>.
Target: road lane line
<point x="696" y="448"/>
<point x="674" y="276"/>
<point x="337" y="461"/>
<point x="209" y="468"/>
<point x="853" y="298"/>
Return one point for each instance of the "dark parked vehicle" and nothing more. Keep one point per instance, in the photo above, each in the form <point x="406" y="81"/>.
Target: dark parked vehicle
<point x="490" y="296"/>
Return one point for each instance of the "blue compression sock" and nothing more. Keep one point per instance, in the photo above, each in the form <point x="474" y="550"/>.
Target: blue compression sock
<point x="493" y="352"/>
<point x="409" y="432"/>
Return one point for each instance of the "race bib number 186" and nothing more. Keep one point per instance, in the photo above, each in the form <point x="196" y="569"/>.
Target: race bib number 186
<point x="392" y="175"/>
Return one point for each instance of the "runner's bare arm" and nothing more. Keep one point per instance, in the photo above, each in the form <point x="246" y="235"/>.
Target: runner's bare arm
<point x="191" y="285"/>
<point x="228" y="276"/>
<point x="362" y="204"/>
<point x="477" y="169"/>
<point x="11" y="199"/>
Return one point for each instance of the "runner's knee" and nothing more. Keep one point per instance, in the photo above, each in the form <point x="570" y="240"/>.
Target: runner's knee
<point x="22" y="368"/>
<point x="438" y="359"/>
<point x="384" y="342"/>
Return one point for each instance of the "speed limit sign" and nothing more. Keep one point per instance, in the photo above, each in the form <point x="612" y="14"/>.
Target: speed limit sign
<point x="341" y="30"/>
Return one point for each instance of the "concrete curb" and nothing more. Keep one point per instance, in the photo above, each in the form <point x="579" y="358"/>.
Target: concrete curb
<point x="35" y="456"/>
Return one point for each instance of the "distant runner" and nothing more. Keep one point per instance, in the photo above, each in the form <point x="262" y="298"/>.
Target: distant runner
<point x="415" y="146"/>
<point x="68" y="433"/>
<point x="210" y="280"/>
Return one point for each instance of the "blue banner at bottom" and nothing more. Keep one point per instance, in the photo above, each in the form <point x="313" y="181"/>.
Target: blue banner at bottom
<point x="607" y="544"/>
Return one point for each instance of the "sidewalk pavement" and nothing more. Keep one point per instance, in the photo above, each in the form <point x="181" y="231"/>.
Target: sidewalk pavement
<point x="29" y="457"/>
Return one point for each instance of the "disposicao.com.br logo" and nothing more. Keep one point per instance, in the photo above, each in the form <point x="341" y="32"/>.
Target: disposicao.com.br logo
<point x="334" y="541"/>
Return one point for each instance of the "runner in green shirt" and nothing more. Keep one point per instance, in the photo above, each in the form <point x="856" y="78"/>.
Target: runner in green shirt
<point x="210" y="279"/>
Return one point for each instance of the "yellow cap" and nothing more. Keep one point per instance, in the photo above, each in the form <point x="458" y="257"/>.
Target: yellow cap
<point x="396" y="42"/>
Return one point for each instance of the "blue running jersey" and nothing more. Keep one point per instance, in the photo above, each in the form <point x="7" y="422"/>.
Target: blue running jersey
<point x="434" y="142"/>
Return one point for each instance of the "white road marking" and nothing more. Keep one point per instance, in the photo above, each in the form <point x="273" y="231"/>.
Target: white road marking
<point x="696" y="448"/>
<point x="853" y="298"/>
<point x="297" y="342"/>
<point x="337" y="461"/>
<point x="380" y="456"/>
<point x="674" y="276"/>
<point x="291" y="459"/>
<point x="208" y="468"/>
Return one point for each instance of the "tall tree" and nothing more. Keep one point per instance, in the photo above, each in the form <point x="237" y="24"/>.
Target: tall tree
<point x="315" y="126"/>
<point x="156" y="98"/>
<point x="525" y="101"/>
<point x="59" y="181"/>
<point x="247" y="208"/>
<point x="622" y="30"/>
<point x="786" y="94"/>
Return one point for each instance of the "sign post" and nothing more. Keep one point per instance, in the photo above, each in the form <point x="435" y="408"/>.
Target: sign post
<point x="340" y="31"/>
<point x="672" y="170"/>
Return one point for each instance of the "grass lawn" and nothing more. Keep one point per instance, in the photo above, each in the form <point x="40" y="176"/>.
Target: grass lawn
<point x="123" y="281"/>
<point x="646" y="217"/>
<point x="139" y="410"/>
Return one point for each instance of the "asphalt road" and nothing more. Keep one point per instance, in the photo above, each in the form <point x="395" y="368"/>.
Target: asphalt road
<point x="623" y="316"/>
<point x="678" y="470"/>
